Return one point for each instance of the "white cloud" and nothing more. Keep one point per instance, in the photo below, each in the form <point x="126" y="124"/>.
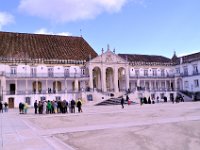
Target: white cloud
<point x="45" y="31"/>
<point x="70" y="10"/>
<point x="5" y="19"/>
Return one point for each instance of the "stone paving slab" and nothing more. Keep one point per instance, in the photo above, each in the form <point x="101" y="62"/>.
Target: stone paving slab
<point x="55" y="132"/>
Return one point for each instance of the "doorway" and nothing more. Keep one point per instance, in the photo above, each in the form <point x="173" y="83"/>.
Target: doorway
<point x="11" y="102"/>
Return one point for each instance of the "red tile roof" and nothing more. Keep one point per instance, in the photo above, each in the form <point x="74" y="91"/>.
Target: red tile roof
<point x="145" y="58"/>
<point x="34" y="46"/>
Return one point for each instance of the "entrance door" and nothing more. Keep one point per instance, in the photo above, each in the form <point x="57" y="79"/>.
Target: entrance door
<point x="11" y="102"/>
<point x="12" y="88"/>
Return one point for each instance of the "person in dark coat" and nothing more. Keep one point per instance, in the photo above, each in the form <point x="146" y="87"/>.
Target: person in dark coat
<point x="35" y="106"/>
<point x="149" y="100"/>
<point x="73" y="103"/>
<point x="1" y="107"/>
<point x="79" y="104"/>
<point x="122" y="103"/>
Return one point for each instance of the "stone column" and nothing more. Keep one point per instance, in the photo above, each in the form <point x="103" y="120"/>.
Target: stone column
<point x="116" y="88"/>
<point x="76" y="84"/>
<point x="47" y="86"/>
<point x="16" y="88"/>
<point x="56" y="88"/>
<point x="26" y="86"/>
<point x="65" y="86"/>
<point x="3" y="87"/>
<point x="127" y="78"/>
<point x="36" y="87"/>
<point x="104" y="89"/>
<point x="91" y="78"/>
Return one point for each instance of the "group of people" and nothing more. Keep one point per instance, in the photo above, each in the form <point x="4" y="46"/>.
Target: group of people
<point x="23" y="108"/>
<point x="60" y="106"/>
<point x="3" y="106"/>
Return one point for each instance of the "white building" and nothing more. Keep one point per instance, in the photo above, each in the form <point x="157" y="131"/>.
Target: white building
<point x="49" y="67"/>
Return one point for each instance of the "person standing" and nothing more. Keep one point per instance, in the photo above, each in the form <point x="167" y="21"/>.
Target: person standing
<point x="79" y="104"/>
<point x="122" y="102"/>
<point x="1" y="107"/>
<point x="25" y="108"/>
<point x="36" y="106"/>
<point x="6" y="107"/>
<point x="73" y="103"/>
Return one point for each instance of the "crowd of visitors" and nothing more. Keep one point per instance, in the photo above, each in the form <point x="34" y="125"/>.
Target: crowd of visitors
<point x="60" y="106"/>
<point x="144" y="100"/>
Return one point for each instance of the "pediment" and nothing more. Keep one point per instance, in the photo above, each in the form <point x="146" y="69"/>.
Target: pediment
<point x="108" y="57"/>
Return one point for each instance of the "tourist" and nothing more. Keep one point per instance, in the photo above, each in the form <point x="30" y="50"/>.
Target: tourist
<point x="157" y="99"/>
<point x="73" y="103"/>
<point x="49" y="109"/>
<point x="45" y="107"/>
<point x="25" y="108"/>
<point x="79" y="104"/>
<point x="1" y="107"/>
<point x="5" y="107"/>
<point x="35" y="106"/>
<point x="21" y="108"/>
<point x="149" y="100"/>
<point x="122" y="102"/>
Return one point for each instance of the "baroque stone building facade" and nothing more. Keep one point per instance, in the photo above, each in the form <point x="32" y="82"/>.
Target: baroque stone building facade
<point x="49" y="67"/>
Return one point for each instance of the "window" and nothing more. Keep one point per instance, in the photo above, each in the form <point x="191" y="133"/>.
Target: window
<point x="154" y="72"/>
<point x="13" y="71"/>
<point x="178" y="70"/>
<point x="186" y="84"/>
<point x="58" y="98"/>
<point x="196" y="83"/>
<point x="185" y="71"/>
<point x="28" y="100"/>
<point x="82" y="71"/>
<point x="137" y="72"/>
<point x="195" y="69"/>
<point x="43" y="98"/>
<point x="162" y="72"/>
<point x="50" y="72"/>
<point x="146" y="73"/>
<point x="33" y="71"/>
<point x="66" y="72"/>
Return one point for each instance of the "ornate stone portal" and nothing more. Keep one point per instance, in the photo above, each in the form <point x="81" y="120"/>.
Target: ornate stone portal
<point x="108" y="73"/>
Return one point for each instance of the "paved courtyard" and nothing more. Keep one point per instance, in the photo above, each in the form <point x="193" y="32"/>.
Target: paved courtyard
<point x="148" y="127"/>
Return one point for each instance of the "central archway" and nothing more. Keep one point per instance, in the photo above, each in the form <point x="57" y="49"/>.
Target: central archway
<point x="97" y="78"/>
<point x="110" y="79"/>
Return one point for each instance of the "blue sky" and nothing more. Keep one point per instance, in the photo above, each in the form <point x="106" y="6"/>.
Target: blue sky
<point x="154" y="27"/>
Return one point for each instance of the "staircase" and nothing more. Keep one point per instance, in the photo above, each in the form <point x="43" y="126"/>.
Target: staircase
<point x="187" y="96"/>
<point x="113" y="101"/>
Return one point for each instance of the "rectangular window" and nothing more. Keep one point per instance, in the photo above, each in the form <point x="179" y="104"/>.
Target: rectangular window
<point x="177" y="70"/>
<point x="162" y="73"/>
<point x="43" y="98"/>
<point x="50" y="72"/>
<point x="28" y="100"/>
<point x="137" y="73"/>
<point x="196" y="83"/>
<point x="66" y="72"/>
<point x="195" y="69"/>
<point x="185" y="71"/>
<point x="33" y="71"/>
<point x="154" y="72"/>
<point x="13" y="70"/>
<point x="146" y="73"/>
<point x="186" y="84"/>
<point x="58" y="98"/>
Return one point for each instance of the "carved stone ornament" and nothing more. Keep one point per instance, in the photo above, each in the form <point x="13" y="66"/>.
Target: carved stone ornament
<point x="109" y="58"/>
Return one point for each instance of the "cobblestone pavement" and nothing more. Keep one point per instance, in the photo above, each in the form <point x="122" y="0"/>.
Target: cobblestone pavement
<point x="151" y="127"/>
